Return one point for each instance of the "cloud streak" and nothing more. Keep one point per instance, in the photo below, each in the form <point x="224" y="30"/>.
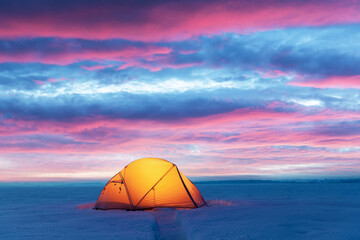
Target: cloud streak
<point x="67" y="51"/>
<point x="157" y="20"/>
<point x="219" y="88"/>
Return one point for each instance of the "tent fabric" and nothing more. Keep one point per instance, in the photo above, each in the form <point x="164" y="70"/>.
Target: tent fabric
<point x="149" y="183"/>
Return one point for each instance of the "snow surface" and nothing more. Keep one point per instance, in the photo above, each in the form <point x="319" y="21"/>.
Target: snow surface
<point x="236" y="211"/>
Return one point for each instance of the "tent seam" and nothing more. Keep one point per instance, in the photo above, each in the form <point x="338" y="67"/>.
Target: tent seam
<point x="127" y="191"/>
<point x="187" y="190"/>
<point x="154" y="185"/>
<point x="198" y="194"/>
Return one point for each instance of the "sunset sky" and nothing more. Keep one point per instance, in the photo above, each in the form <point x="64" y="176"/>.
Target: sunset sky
<point x="220" y="88"/>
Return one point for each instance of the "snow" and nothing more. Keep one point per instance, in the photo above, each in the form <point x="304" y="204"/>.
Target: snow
<point x="236" y="210"/>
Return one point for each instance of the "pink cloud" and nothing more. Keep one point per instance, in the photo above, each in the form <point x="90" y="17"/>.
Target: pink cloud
<point x="149" y="66"/>
<point x="185" y="52"/>
<point x="330" y="82"/>
<point x="242" y="142"/>
<point x="154" y="67"/>
<point x="39" y="82"/>
<point x="237" y="160"/>
<point x="54" y="80"/>
<point x="50" y="80"/>
<point x="240" y="128"/>
<point x="274" y="74"/>
<point x="67" y="57"/>
<point x="97" y="67"/>
<point x="175" y="20"/>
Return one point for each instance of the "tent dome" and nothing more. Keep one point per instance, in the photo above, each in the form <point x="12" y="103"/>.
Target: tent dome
<point x="149" y="183"/>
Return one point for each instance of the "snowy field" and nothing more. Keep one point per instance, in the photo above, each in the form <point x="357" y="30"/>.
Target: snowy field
<point x="236" y="211"/>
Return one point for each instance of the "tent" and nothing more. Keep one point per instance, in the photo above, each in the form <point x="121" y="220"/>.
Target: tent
<point x="149" y="183"/>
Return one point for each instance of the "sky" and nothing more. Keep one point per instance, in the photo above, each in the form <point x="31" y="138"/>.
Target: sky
<point x="220" y="88"/>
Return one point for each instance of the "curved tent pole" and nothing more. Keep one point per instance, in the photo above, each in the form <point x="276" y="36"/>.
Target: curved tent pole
<point x="198" y="194"/>
<point x="187" y="190"/>
<point x="105" y="188"/>
<point x="127" y="191"/>
<point x="154" y="185"/>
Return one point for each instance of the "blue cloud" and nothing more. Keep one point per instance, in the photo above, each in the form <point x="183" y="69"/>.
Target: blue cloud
<point x="319" y="51"/>
<point x="340" y="129"/>
<point x="227" y="58"/>
<point x="128" y="106"/>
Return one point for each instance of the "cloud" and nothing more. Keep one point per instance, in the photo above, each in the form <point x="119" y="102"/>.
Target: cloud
<point x="330" y="82"/>
<point x="156" y="20"/>
<point x="244" y="141"/>
<point x="40" y="142"/>
<point x="96" y="67"/>
<point x="22" y="82"/>
<point x="341" y="129"/>
<point x="124" y="105"/>
<point x="241" y="87"/>
<point x="67" y="51"/>
<point x="311" y="51"/>
<point x="303" y="55"/>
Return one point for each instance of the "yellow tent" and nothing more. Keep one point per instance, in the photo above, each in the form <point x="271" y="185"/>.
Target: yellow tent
<point x="149" y="183"/>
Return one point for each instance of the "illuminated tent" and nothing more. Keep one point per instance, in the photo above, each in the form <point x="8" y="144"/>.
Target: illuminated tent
<point x="149" y="183"/>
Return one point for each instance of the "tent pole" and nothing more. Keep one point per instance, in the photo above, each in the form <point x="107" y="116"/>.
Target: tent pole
<point x="154" y="185"/>
<point x="127" y="191"/>
<point x="187" y="190"/>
